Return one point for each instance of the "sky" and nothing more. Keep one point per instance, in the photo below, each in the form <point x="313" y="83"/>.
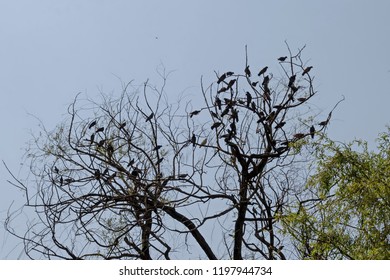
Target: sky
<point x="51" y="50"/>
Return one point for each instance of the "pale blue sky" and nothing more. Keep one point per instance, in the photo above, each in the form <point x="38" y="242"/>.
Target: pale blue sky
<point x="51" y="50"/>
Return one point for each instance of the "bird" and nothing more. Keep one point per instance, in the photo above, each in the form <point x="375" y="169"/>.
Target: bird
<point x="149" y="117"/>
<point x="234" y="115"/>
<point x="131" y="162"/>
<point x="253" y="106"/>
<point x="159" y="161"/>
<point x="100" y="129"/>
<point x="312" y="131"/>
<point x="92" y="138"/>
<point x="248" y="99"/>
<point x="262" y="71"/>
<point x="56" y="169"/>
<point x="204" y="142"/>
<point x="229" y="73"/>
<point x="222" y="89"/>
<point x="216" y="125"/>
<point x="282" y="58"/>
<point x="182" y="176"/>
<point x="247" y="71"/>
<point x="265" y="81"/>
<point x="135" y="172"/>
<point x="280" y="125"/>
<point x="307" y="69"/>
<point x="301" y="99"/>
<point x="299" y="135"/>
<point x="92" y="124"/>
<point x="231" y="83"/>
<point x="193" y="113"/>
<point x="218" y="102"/>
<point x="110" y="150"/>
<point x="101" y="143"/>
<point x="193" y="139"/>
<point x="221" y="78"/>
<point x="254" y="84"/>
<point x="214" y="115"/>
<point x="122" y="125"/>
<point x="291" y="81"/>
<point x="158" y="147"/>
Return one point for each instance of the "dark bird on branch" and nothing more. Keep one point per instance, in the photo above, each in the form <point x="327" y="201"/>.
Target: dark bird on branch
<point x="221" y="78"/>
<point x="307" y="69"/>
<point x="234" y="115"/>
<point x="122" y="125"/>
<point x="218" y="103"/>
<point x="254" y="84"/>
<point x="92" y="124"/>
<point x="222" y="89"/>
<point x="56" y="169"/>
<point x="131" y="162"/>
<point x="213" y="114"/>
<point x="265" y="81"/>
<point x="92" y="138"/>
<point x="183" y="176"/>
<point x="159" y="161"/>
<point x="291" y="81"/>
<point x="158" y="147"/>
<point x="110" y="150"/>
<point x="253" y="106"/>
<point x="262" y="71"/>
<point x="61" y="180"/>
<point x="216" y="125"/>
<point x="248" y="99"/>
<point x="193" y="139"/>
<point x="299" y="135"/>
<point x="247" y="71"/>
<point x="231" y="83"/>
<point x="225" y="112"/>
<point x="301" y="99"/>
<point x="135" y="172"/>
<point x="149" y="117"/>
<point x="233" y="127"/>
<point x="100" y="129"/>
<point x="282" y="58"/>
<point x="280" y="125"/>
<point x="229" y="73"/>
<point x="101" y="143"/>
<point x="97" y="174"/>
<point x="194" y="113"/>
<point x="204" y="142"/>
<point x="312" y="131"/>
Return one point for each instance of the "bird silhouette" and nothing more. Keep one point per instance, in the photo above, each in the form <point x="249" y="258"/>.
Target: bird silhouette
<point x="183" y="176"/>
<point x="312" y="131"/>
<point x="262" y="71"/>
<point x="216" y="125"/>
<point x="301" y="99"/>
<point x="247" y="71"/>
<point x="158" y="147"/>
<point x="92" y="124"/>
<point x="218" y="103"/>
<point x="159" y="161"/>
<point x="291" y="81"/>
<point x="149" y="117"/>
<point x="282" y="58"/>
<point x="231" y="83"/>
<point x="299" y="135"/>
<point x="204" y="142"/>
<point x="280" y="125"/>
<point x="214" y="115"/>
<point x="193" y="113"/>
<point x="101" y="143"/>
<point x="92" y="138"/>
<point x="122" y="125"/>
<point x="254" y="84"/>
<point x="221" y="78"/>
<point x="222" y="89"/>
<point x="248" y="99"/>
<point x="229" y="73"/>
<point x="265" y="81"/>
<point x="307" y="69"/>
<point x="100" y="129"/>
<point x="193" y="139"/>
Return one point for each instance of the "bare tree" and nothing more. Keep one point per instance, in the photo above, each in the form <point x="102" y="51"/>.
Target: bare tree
<point x="141" y="178"/>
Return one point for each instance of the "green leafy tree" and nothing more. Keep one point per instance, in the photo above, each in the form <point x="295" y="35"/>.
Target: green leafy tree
<point x="346" y="210"/>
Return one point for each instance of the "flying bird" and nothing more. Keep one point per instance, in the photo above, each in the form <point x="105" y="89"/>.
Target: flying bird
<point x="193" y="113"/>
<point x="282" y="58"/>
<point x="262" y="71"/>
<point x="247" y="71"/>
<point x="312" y="131"/>
<point x="149" y="117"/>
<point x="307" y="69"/>
<point x="92" y="124"/>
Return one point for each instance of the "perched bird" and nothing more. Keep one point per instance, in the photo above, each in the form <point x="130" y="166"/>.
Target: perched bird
<point x="299" y="135"/>
<point x="234" y="115"/>
<point x="92" y="138"/>
<point x="158" y="147"/>
<point x="183" y="176"/>
<point x="159" y="161"/>
<point x="312" y="131"/>
<point x="282" y="58"/>
<point x="100" y="129"/>
<point x="231" y="83"/>
<point x="247" y="71"/>
<point x="214" y="115"/>
<point x="218" y="102"/>
<point x="110" y="150"/>
<point x="222" y="89"/>
<point x="301" y="99"/>
<point x="216" y="125"/>
<point x="204" y="142"/>
<point x="253" y="106"/>
<point x="248" y="99"/>
<point x="265" y="81"/>
<point x="291" y="81"/>
<point x="254" y="84"/>
<point x="225" y="112"/>
<point x="56" y="169"/>
<point x="323" y="123"/>
<point x="131" y="162"/>
<point x="307" y="69"/>
<point x="92" y="124"/>
<point x="229" y="73"/>
<point x="262" y="71"/>
<point x="233" y="127"/>
<point x="221" y="78"/>
<point x="135" y="172"/>
<point x="280" y="125"/>
<point x="193" y="113"/>
<point x="149" y="117"/>
<point x="101" y="143"/>
<point x="122" y="125"/>
<point x="193" y="139"/>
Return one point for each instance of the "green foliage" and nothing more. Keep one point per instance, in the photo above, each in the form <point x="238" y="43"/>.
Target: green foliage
<point x="347" y="211"/>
